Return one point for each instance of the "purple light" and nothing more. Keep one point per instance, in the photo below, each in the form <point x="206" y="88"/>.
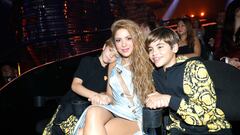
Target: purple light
<point x="227" y="3"/>
<point x="170" y="10"/>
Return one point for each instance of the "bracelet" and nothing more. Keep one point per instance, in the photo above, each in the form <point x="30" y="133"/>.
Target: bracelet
<point x="225" y="59"/>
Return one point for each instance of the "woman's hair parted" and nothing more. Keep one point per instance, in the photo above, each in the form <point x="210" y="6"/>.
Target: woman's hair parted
<point x="162" y="33"/>
<point x="141" y="66"/>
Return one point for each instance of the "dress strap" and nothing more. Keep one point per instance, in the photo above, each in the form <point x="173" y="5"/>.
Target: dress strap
<point x="126" y="92"/>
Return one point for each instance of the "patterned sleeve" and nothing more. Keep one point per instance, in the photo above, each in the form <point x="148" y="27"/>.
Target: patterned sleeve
<point x="198" y="86"/>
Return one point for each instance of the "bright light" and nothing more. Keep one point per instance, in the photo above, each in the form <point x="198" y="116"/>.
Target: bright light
<point x="202" y="14"/>
<point x="192" y="15"/>
<point x="168" y="14"/>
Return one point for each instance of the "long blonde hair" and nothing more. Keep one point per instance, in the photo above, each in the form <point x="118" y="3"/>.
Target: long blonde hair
<point x="141" y="66"/>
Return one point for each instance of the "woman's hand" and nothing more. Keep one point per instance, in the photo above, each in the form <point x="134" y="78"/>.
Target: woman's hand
<point x="157" y="100"/>
<point x="102" y="99"/>
<point x="234" y="62"/>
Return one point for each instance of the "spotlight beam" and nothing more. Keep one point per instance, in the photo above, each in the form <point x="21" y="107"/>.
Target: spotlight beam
<point x="168" y="14"/>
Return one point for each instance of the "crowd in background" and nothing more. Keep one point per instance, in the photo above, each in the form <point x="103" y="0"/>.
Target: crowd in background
<point x="219" y="43"/>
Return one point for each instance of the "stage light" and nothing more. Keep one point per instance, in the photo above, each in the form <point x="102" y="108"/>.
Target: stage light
<point x="227" y="3"/>
<point x="168" y="14"/>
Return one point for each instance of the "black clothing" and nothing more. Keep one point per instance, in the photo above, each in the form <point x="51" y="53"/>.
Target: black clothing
<point x="94" y="77"/>
<point x="193" y="99"/>
<point x="185" y="50"/>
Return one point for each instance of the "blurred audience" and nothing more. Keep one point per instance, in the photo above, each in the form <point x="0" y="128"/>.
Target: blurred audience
<point x="189" y="44"/>
<point x="229" y="50"/>
<point x="198" y="29"/>
<point x="200" y="33"/>
<point x="148" y="26"/>
<point x="215" y="43"/>
<point x="8" y="73"/>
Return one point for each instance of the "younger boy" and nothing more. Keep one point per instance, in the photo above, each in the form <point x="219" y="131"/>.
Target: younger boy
<point x="183" y="86"/>
<point x="89" y="84"/>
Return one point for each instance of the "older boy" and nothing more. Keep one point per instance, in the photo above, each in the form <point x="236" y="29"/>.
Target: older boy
<point x="185" y="87"/>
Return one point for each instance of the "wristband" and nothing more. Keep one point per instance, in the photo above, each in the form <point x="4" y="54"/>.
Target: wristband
<point x="224" y="59"/>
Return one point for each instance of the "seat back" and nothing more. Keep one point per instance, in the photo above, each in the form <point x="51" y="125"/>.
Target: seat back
<point x="226" y="80"/>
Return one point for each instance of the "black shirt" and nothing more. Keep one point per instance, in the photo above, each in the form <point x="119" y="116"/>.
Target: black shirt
<point x="185" y="49"/>
<point x="93" y="74"/>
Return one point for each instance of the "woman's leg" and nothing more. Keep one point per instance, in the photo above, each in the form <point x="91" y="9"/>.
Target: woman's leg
<point x="120" y="126"/>
<point x="96" y="118"/>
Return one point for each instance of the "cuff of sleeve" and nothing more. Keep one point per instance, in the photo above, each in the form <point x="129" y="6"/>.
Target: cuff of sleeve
<point x="174" y="103"/>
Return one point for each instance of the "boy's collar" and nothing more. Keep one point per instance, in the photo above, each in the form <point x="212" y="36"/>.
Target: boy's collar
<point x="181" y="59"/>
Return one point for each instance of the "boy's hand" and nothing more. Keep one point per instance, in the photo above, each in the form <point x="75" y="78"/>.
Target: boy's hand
<point x="234" y="62"/>
<point x="102" y="99"/>
<point x="156" y="100"/>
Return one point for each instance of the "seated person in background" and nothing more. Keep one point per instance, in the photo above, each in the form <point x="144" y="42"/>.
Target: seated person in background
<point x="229" y="50"/>
<point x="183" y="86"/>
<point x="89" y="83"/>
<point x="8" y="72"/>
<point x="232" y="61"/>
<point x="148" y="26"/>
<point x="189" y="44"/>
<point x="199" y="31"/>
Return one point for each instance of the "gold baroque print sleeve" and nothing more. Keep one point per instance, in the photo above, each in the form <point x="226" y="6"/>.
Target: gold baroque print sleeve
<point x="198" y="86"/>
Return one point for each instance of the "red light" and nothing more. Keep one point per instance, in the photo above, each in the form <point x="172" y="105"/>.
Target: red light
<point x="202" y="14"/>
<point x="192" y="15"/>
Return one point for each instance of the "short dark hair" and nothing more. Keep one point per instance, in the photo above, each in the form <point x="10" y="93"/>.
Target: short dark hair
<point x="162" y="33"/>
<point x="151" y="24"/>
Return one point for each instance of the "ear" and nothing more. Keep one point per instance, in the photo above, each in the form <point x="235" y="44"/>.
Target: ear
<point x="175" y="48"/>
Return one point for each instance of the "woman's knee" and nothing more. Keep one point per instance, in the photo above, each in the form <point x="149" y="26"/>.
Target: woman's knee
<point x="100" y="114"/>
<point x="120" y="126"/>
<point x="95" y="111"/>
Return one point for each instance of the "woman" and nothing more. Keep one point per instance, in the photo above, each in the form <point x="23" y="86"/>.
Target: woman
<point x="129" y="78"/>
<point x="189" y="44"/>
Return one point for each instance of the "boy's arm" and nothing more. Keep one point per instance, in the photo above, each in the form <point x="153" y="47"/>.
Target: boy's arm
<point x="80" y="76"/>
<point x="198" y="86"/>
<point x="78" y="88"/>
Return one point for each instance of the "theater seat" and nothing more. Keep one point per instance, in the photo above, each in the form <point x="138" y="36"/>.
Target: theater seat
<point x="226" y="79"/>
